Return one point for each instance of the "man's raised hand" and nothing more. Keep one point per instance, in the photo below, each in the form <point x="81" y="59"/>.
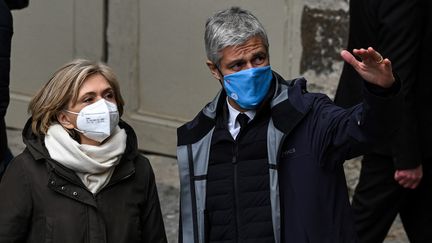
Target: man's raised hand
<point x="372" y="67"/>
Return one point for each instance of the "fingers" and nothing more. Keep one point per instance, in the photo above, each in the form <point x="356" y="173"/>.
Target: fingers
<point x="369" y="55"/>
<point x="378" y="58"/>
<point x="372" y="67"/>
<point x="409" y="184"/>
<point x="348" y="57"/>
<point x="408" y="178"/>
<point x="361" y="53"/>
<point x="375" y="55"/>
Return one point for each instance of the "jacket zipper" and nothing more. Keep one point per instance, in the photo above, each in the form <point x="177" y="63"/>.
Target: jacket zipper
<point x="95" y="196"/>
<point x="88" y="225"/>
<point x="236" y="197"/>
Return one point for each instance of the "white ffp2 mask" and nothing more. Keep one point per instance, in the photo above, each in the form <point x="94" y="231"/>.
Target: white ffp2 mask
<point x="98" y="120"/>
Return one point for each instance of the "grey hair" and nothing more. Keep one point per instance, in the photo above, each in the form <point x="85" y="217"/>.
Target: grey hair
<point x="231" y="27"/>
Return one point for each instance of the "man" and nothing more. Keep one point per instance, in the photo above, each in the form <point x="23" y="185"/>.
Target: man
<point x="263" y="161"/>
<point x="395" y="178"/>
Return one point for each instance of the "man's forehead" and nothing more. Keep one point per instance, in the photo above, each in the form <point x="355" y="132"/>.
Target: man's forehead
<point x="250" y="47"/>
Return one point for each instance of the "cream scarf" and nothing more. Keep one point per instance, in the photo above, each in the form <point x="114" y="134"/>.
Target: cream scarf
<point x="94" y="165"/>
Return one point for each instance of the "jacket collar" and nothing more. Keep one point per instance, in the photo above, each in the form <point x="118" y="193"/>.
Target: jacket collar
<point x="289" y="104"/>
<point x="125" y="168"/>
<point x="288" y="107"/>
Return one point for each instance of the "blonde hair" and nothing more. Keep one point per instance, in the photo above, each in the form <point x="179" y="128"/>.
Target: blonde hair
<point x="64" y="87"/>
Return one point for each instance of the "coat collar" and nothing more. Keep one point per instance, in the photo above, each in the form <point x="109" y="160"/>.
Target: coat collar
<point x="288" y="107"/>
<point x="60" y="174"/>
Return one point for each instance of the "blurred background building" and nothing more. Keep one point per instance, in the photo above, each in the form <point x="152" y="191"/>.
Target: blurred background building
<point x="157" y="50"/>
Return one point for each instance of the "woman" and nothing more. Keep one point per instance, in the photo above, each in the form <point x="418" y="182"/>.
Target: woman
<point x="81" y="177"/>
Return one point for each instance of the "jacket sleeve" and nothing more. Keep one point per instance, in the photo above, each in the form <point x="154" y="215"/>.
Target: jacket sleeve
<point x="153" y="226"/>
<point x="346" y="133"/>
<point x="15" y="203"/>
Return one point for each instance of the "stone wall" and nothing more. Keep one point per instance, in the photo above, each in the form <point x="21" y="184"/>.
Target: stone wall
<point x="324" y="32"/>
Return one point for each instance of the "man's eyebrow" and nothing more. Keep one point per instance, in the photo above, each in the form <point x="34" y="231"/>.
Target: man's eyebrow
<point x="239" y="60"/>
<point x="260" y="53"/>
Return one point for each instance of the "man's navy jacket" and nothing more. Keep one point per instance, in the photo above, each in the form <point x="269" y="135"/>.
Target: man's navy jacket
<point x="308" y="139"/>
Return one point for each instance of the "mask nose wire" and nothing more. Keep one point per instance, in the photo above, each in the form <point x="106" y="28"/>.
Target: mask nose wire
<point x="77" y="113"/>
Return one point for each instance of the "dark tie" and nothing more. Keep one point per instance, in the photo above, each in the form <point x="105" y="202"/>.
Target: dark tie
<point x="242" y="120"/>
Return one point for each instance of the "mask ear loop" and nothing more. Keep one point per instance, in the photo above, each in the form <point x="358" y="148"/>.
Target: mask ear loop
<point x="76" y="113"/>
<point x="72" y="132"/>
<point x="221" y="74"/>
<point x="75" y="128"/>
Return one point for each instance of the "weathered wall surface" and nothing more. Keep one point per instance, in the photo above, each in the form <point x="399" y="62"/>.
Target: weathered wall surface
<point x="324" y="32"/>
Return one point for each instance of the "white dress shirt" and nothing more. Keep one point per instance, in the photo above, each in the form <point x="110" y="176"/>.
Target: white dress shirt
<point x="233" y="125"/>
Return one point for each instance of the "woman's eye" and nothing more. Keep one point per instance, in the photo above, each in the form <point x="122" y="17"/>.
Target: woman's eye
<point x="88" y="100"/>
<point x="109" y="96"/>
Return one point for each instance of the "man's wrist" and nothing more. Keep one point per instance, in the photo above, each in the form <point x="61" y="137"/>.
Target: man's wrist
<point x="385" y="92"/>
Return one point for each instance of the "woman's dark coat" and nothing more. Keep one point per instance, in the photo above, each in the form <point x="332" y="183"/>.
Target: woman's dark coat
<point x="42" y="201"/>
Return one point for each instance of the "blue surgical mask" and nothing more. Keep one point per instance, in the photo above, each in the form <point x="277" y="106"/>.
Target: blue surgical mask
<point x="248" y="87"/>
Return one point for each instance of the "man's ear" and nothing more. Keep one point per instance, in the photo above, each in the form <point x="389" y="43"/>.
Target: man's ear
<point x="64" y="120"/>
<point x="214" y="70"/>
